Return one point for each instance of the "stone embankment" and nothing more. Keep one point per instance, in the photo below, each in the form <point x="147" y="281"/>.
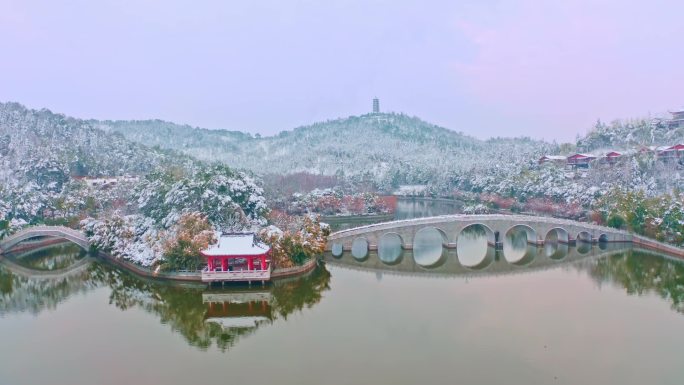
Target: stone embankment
<point x="57" y="234"/>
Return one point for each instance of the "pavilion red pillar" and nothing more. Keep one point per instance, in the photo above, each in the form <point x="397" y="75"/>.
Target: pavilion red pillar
<point x="250" y="263"/>
<point x="224" y="262"/>
<point x="210" y="263"/>
<point x="263" y="262"/>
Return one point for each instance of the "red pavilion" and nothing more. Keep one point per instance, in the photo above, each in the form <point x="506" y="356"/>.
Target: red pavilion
<point x="237" y="257"/>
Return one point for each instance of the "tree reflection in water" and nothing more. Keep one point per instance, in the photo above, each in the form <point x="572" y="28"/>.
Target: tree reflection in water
<point x="53" y="257"/>
<point x="184" y="310"/>
<point x="180" y="307"/>
<point x="219" y="318"/>
<point x="640" y="272"/>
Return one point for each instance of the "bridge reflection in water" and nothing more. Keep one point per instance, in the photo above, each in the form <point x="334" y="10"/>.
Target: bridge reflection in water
<point x="473" y="254"/>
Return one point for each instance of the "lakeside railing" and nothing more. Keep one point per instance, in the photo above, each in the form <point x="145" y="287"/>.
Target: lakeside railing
<point x="235" y="275"/>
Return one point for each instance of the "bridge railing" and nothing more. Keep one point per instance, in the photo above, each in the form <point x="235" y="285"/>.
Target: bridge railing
<point x="42" y="230"/>
<point x="473" y="218"/>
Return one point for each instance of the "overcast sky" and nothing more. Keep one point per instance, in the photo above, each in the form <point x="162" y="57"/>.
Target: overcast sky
<point x="546" y="69"/>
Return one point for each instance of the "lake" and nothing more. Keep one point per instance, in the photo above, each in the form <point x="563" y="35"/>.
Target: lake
<point x="407" y="208"/>
<point x="593" y="316"/>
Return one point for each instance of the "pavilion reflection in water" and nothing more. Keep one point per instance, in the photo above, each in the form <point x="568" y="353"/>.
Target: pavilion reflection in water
<point x="238" y="309"/>
<point x="203" y="317"/>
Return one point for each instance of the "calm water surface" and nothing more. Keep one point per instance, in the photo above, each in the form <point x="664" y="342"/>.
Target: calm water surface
<point x="596" y="316"/>
<point x="407" y="208"/>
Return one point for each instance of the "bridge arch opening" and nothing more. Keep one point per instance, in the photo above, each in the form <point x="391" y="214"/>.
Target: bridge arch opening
<point x="557" y="235"/>
<point x="52" y="255"/>
<point x="359" y="249"/>
<point x="428" y="246"/>
<point x="557" y="251"/>
<point x="519" y="245"/>
<point x="336" y="250"/>
<point x="583" y="247"/>
<point x="473" y="244"/>
<point x="390" y="248"/>
<point x="470" y="264"/>
<point x="583" y="243"/>
<point x="603" y="241"/>
<point x="556" y="244"/>
<point x="584" y="236"/>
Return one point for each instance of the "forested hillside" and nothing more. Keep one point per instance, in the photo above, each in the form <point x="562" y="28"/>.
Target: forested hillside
<point x="44" y="154"/>
<point x="387" y="149"/>
<point x="48" y="162"/>
<point x="630" y="134"/>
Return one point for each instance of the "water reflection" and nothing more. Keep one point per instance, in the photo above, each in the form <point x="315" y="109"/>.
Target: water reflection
<point x="50" y="258"/>
<point x="556" y="250"/>
<point x="583" y="247"/>
<point x="637" y="271"/>
<point x="640" y="272"/>
<point x="472" y="246"/>
<point x="516" y="246"/>
<point x="204" y="318"/>
<point x="360" y="248"/>
<point x="389" y="248"/>
<point x="337" y="249"/>
<point x="428" y="250"/>
<point x="407" y="208"/>
<point x="432" y="258"/>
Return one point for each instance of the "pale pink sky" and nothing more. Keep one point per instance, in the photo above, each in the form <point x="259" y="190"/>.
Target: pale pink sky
<point x="488" y="68"/>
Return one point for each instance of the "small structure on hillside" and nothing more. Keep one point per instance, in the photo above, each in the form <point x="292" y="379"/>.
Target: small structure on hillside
<point x="580" y="160"/>
<point x="611" y="157"/>
<point x="376" y="105"/>
<point x="672" y="152"/>
<point x="237" y="257"/>
<point x="677" y="120"/>
<point x="556" y="159"/>
<point x="106" y="181"/>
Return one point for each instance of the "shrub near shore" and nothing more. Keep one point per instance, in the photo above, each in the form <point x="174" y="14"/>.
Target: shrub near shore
<point x="294" y="239"/>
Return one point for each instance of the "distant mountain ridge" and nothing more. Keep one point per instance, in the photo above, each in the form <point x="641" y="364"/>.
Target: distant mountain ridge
<point x="388" y="148"/>
<point x="32" y="137"/>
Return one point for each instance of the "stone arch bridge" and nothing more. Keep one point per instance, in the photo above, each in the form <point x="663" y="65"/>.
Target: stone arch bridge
<point x="537" y="230"/>
<point x="72" y="235"/>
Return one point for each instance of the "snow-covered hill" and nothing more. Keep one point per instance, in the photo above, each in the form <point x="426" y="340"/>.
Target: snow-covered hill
<point x="630" y="135"/>
<point x="389" y="149"/>
<point x="44" y="157"/>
